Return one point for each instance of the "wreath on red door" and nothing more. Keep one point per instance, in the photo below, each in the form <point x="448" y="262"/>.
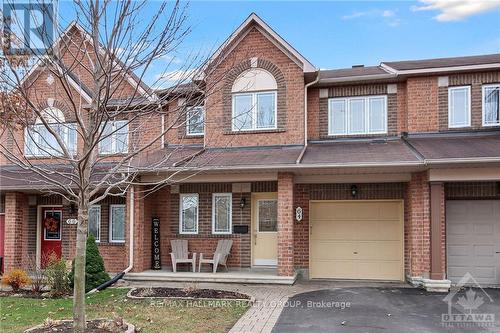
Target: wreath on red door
<point x="51" y="224"/>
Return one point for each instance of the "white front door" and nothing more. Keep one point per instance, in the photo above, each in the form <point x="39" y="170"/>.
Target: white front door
<point x="265" y="229"/>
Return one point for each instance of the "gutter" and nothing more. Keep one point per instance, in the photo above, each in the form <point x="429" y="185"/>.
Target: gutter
<point x="299" y="159"/>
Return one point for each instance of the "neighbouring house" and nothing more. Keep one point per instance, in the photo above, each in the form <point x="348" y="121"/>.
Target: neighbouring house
<point x="388" y="172"/>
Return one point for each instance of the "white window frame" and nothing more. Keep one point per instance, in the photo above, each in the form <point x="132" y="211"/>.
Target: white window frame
<point x="181" y="196"/>
<point x="98" y="239"/>
<point x="230" y="196"/>
<point x="114" y="132"/>
<point x="188" y="118"/>
<point x="35" y="136"/>
<point x="254" y="111"/>
<point x="495" y="85"/>
<point x="450" y="109"/>
<point x="111" y="240"/>
<point x="346" y="101"/>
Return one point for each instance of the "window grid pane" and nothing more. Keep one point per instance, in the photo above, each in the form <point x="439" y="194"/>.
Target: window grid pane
<point x="357" y="116"/>
<point x="95" y="222"/>
<point x="459" y="107"/>
<point x="491" y="105"/>
<point x="243" y="108"/>
<point x="268" y="215"/>
<point x="338" y="117"/>
<point x="376" y="117"/>
<point x="222" y="213"/>
<point x="117" y="223"/>
<point x="195" y="121"/>
<point x="266" y="106"/>
<point x="189" y="214"/>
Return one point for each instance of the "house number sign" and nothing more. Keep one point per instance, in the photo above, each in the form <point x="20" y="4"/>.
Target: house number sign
<point x="155" y="243"/>
<point x="299" y="214"/>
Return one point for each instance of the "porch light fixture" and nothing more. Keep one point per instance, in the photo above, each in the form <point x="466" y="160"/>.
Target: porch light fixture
<point x="72" y="208"/>
<point x="354" y="191"/>
<point x="243" y="202"/>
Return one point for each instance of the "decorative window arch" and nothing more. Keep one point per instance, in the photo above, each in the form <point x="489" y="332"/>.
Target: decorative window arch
<point x="52" y="115"/>
<point x="254" y="101"/>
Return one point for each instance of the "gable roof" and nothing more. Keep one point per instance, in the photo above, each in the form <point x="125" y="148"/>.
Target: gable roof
<point x="254" y="20"/>
<point x="131" y="77"/>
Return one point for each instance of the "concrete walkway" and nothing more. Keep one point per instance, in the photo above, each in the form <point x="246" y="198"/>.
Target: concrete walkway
<point x="270" y="300"/>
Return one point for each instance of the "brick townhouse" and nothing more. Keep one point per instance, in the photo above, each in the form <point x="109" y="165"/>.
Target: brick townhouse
<point x="388" y="172"/>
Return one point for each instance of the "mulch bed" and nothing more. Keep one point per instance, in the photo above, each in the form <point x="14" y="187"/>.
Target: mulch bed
<point x="183" y="293"/>
<point x="30" y="294"/>
<point x="93" y="326"/>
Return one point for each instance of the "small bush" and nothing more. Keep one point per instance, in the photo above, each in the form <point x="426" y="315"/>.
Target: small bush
<point x="57" y="276"/>
<point x="16" y="279"/>
<point x="95" y="274"/>
<point x="38" y="278"/>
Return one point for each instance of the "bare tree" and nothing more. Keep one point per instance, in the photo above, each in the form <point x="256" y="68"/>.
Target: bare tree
<point x="87" y="138"/>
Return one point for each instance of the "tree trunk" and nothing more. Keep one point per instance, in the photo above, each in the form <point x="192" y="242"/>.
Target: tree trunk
<point x="80" y="257"/>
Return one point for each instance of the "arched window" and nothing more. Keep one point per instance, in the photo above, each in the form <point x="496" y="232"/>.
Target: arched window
<point x="40" y="142"/>
<point x="254" y="96"/>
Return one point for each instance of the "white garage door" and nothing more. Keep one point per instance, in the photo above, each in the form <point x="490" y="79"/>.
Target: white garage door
<point x="473" y="240"/>
<point x="356" y="240"/>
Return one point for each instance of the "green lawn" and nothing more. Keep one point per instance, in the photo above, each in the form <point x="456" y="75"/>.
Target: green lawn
<point x="17" y="314"/>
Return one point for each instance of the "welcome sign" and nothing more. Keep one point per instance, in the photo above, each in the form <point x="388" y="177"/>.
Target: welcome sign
<point x="155" y="243"/>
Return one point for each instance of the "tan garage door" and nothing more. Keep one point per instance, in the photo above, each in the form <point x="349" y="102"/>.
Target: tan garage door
<point x="356" y="240"/>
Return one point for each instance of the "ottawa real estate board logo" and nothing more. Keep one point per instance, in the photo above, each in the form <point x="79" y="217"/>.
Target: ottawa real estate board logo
<point x="465" y="304"/>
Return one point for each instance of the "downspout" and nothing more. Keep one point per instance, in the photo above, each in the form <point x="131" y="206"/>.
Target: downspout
<point x="131" y="249"/>
<point x="299" y="159"/>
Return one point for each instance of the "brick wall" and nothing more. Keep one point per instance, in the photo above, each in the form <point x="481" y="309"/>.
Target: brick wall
<point x="417" y="226"/>
<point x="422" y="104"/>
<point x="472" y="190"/>
<point x="286" y="218"/>
<point x="16" y="231"/>
<point x="289" y="77"/>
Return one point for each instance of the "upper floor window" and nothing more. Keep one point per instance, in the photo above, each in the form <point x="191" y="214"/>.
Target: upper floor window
<point x="254" y="101"/>
<point x="491" y="105"/>
<point x="114" y="138"/>
<point x="357" y="115"/>
<point x="458" y="107"/>
<point x="40" y="142"/>
<point x="195" y="121"/>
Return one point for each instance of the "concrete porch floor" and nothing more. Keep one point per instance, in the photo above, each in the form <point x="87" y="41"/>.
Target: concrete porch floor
<point x="248" y="276"/>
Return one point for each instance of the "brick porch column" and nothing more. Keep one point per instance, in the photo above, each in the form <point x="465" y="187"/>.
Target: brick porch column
<point x="140" y="231"/>
<point x="417" y="226"/>
<point x="285" y="224"/>
<point x="437" y="231"/>
<point x="16" y="230"/>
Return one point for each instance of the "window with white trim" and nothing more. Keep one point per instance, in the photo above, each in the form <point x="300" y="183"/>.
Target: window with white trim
<point x="114" y="138"/>
<point x="195" y="120"/>
<point x="116" y="223"/>
<point x="222" y="213"/>
<point x="459" y="107"/>
<point x="254" y="101"/>
<point x="95" y="222"/>
<point x="357" y="115"/>
<point x="39" y="142"/>
<point x="491" y="105"/>
<point x="188" y="213"/>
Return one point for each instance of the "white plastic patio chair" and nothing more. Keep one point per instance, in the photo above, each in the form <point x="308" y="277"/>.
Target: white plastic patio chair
<point x="220" y="255"/>
<point x="180" y="254"/>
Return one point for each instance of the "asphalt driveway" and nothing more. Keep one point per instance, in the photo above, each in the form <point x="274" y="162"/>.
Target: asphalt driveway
<point x="390" y="310"/>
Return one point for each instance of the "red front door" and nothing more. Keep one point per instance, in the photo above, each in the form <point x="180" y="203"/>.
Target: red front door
<point x="2" y="241"/>
<point x="51" y="234"/>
